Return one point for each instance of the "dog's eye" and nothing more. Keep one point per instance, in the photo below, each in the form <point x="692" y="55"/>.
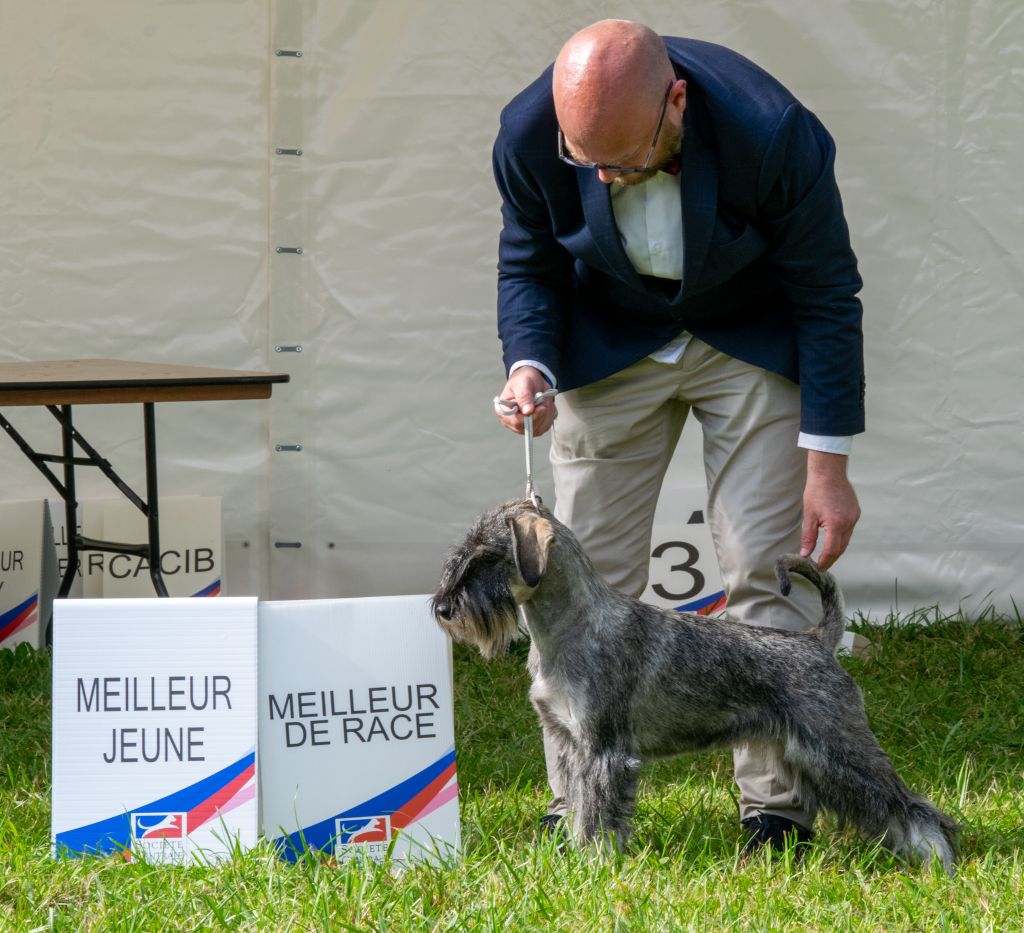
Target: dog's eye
<point x="484" y="557"/>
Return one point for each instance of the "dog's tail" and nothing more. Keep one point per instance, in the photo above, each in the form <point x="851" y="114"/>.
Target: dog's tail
<point x="833" y="621"/>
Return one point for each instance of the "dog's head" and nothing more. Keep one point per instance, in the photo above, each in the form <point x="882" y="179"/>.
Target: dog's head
<point x="499" y="565"/>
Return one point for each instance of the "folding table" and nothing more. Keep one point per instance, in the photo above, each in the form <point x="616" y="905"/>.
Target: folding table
<point x="62" y="384"/>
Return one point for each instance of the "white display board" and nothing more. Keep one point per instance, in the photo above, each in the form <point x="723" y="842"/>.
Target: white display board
<point x="58" y="517"/>
<point x="154" y="727"/>
<point x="191" y="548"/>
<point x="28" y="572"/>
<point x="357" y="742"/>
<point x="684" y="571"/>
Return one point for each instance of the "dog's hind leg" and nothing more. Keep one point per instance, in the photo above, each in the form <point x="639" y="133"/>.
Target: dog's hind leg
<point x="854" y="778"/>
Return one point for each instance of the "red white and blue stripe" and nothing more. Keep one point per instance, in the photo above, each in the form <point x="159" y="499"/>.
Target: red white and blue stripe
<point x="705" y="605"/>
<point x="21" y="616"/>
<point x="203" y="801"/>
<point x="406" y="803"/>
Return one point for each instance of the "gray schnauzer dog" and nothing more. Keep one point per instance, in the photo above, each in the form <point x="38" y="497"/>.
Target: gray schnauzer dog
<point x="616" y="680"/>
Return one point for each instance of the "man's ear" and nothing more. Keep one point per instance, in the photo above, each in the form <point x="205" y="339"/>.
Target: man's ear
<point x="677" y="96"/>
<point x="531" y="539"/>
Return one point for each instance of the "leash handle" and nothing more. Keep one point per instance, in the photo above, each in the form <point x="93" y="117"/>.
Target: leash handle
<point x="505" y="406"/>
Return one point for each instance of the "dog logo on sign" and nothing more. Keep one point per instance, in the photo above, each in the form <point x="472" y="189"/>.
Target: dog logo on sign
<point x="369" y="834"/>
<point x="158" y="825"/>
<point x="162" y="837"/>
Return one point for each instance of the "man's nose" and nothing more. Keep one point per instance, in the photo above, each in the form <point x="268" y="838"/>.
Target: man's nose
<point x="607" y="176"/>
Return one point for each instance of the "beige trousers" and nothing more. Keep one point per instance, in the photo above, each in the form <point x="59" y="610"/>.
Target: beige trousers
<point x="611" y="445"/>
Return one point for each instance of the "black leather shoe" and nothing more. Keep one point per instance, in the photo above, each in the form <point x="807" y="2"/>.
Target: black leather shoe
<point x="775" y="832"/>
<point x="550" y="824"/>
<point x="553" y="827"/>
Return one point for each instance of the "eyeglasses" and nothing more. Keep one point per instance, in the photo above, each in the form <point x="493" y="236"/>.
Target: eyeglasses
<point x="563" y="153"/>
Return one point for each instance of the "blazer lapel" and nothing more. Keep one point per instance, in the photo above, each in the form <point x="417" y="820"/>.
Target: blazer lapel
<point x="597" y="209"/>
<point x="699" y="193"/>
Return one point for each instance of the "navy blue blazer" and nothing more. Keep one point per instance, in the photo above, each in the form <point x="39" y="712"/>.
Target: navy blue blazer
<point x="769" y="275"/>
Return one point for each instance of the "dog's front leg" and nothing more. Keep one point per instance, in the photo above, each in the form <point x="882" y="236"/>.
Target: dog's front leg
<point x="602" y="793"/>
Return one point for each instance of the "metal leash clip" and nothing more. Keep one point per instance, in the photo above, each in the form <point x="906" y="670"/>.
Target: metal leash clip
<point x="507" y="406"/>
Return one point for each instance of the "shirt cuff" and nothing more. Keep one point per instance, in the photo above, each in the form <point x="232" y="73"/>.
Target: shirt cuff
<point x="550" y="376"/>
<point x="825" y="443"/>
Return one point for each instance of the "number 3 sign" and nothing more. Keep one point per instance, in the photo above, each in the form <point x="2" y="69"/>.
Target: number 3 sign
<point x="684" y="571"/>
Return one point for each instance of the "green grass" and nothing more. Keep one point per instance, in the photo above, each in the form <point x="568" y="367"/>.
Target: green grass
<point x="946" y="698"/>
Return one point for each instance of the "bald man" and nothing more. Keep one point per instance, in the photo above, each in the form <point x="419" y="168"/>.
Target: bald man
<point x="674" y="243"/>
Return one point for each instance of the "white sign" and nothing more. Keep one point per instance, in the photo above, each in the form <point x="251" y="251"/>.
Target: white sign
<point x="357" y="737"/>
<point x="28" y="572"/>
<point x="154" y="727"/>
<point x="684" y="571"/>
<point x="191" y="547"/>
<point x="58" y="518"/>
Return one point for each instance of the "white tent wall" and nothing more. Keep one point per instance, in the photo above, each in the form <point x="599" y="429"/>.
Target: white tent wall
<point x="133" y="224"/>
<point x="143" y="202"/>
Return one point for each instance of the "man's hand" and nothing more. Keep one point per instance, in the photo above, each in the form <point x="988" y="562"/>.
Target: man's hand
<point x="830" y="504"/>
<point x="521" y="387"/>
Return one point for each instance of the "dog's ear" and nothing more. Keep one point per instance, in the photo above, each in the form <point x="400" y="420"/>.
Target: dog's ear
<point x="531" y="538"/>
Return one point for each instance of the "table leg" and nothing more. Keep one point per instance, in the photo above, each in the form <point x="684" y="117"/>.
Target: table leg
<point x="70" y="503"/>
<point x="152" y="500"/>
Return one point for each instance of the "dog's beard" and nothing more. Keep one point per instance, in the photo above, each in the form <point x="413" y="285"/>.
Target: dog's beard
<point x="491" y="634"/>
<point x="491" y="630"/>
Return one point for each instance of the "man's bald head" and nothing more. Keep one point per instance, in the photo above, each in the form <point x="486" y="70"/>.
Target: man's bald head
<point x="608" y="79"/>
